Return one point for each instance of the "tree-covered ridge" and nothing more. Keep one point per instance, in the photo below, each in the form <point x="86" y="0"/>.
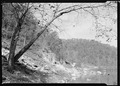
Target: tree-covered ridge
<point x="81" y="50"/>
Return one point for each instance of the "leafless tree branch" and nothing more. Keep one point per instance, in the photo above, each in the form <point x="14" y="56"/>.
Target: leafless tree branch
<point x="17" y="15"/>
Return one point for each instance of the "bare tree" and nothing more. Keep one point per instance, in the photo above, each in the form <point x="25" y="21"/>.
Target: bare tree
<point x="20" y="16"/>
<point x="49" y="13"/>
<point x="57" y="13"/>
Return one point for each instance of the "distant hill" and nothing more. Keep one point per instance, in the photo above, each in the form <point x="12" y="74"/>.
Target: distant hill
<point x="88" y="51"/>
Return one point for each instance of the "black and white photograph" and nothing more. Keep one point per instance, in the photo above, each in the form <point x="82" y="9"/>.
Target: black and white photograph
<point x="59" y="42"/>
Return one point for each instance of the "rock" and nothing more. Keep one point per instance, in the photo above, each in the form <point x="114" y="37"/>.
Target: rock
<point x="5" y="52"/>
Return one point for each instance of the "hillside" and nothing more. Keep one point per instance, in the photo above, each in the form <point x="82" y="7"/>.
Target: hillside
<point x="83" y="61"/>
<point x="91" y="52"/>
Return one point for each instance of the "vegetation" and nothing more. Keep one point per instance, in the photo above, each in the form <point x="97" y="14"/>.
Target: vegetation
<point x="76" y="51"/>
<point x="93" y="52"/>
<point x="22" y="32"/>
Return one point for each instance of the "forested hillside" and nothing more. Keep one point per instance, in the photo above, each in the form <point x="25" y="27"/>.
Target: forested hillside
<point x="78" y="51"/>
<point x="93" y="52"/>
<point x="90" y="52"/>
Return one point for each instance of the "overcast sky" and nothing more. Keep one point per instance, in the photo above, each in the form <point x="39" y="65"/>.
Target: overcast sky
<point x="82" y="25"/>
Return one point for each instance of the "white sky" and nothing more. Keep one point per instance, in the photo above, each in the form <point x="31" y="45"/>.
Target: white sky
<point x="82" y="26"/>
<point x="77" y="27"/>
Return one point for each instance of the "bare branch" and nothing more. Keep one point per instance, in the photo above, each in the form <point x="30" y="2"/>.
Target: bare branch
<point x="57" y="27"/>
<point x="15" y="11"/>
<point x="90" y="13"/>
<point x="68" y="8"/>
<point x="56" y="10"/>
<point x="24" y="14"/>
<point x="77" y="7"/>
<point x="68" y="11"/>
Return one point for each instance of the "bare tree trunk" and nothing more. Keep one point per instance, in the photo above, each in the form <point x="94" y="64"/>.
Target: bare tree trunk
<point x="25" y="40"/>
<point x="12" y="48"/>
<point x="14" y="40"/>
<point x="23" y="50"/>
